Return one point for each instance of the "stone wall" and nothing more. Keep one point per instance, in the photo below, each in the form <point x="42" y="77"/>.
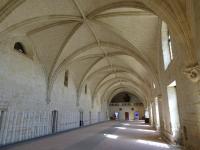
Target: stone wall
<point x="24" y="112"/>
<point x="187" y="98"/>
<point x="119" y="98"/>
<point x="23" y="82"/>
<point x="140" y="109"/>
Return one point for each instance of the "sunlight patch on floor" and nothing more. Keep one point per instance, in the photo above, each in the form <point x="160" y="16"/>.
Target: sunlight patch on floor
<point x="146" y="130"/>
<point x="125" y="123"/>
<point x="111" y="136"/>
<point x="153" y="143"/>
<point x="120" y="127"/>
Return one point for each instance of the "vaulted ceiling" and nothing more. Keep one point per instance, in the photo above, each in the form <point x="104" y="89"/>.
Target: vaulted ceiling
<point x="111" y="44"/>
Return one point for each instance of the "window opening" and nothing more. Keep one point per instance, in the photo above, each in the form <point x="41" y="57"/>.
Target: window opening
<point x="66" y="79"/>
<point x="173" y="110"/>
<point x="157" y="112"/>
<point x="166" y="45"/>
<point x="185" y="132"/>
<point x="170" y="46"/>
<point x="86" y="89"/>
<point x="151" y="107"/>
<point x="154" y="86"/>
<point x="18" y="46"/>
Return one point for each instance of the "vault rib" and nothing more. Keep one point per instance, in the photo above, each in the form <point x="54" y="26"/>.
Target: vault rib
<point x="122" y="79"/>
<point x="94" y="33"/>
<point x="130" y="4"/>
<point x="141" y="81"/>
<point x="49" y="26"/>
<point x="85" y="48"/>
<point x="47" y="17"/>
<point x="80" y="8"/>
<point x="62" y="47"/>
<point x="142" y="54"/>
<point x="126" y="13"/>
<point x="9" y="8"/>
<point x="98" y="41"/>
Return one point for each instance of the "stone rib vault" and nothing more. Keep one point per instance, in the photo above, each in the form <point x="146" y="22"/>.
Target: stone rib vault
<point x="79" y="54"/>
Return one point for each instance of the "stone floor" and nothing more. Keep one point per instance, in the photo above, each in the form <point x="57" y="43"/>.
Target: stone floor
<point x="111" y="135"/>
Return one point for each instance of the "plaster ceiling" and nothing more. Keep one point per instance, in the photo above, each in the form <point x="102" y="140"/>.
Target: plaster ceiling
<point x="95" y="39"/>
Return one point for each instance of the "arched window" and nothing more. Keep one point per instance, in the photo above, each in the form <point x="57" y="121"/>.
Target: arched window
<point x="18" y="46"/>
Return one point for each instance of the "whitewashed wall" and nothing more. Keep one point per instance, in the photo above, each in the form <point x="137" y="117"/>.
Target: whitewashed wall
<point x="23" y="99"/>
<point x="140" y="109"/>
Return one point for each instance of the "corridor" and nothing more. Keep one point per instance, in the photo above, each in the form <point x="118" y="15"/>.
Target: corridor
<point x="111" y="135"/>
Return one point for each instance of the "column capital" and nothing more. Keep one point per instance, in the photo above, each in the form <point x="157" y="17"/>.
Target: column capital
<point x="198" y="93"/>
<point x="159" y="97"/>
<point x="193" y="73"/>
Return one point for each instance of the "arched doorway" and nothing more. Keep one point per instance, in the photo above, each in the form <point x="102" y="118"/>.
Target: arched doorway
<point x="54" y="121"/>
